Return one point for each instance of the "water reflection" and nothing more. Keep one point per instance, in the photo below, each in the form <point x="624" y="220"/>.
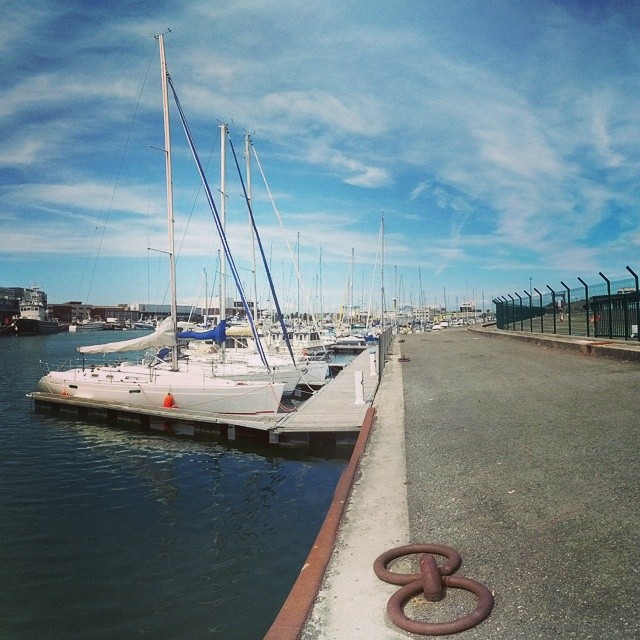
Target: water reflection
<point x="111" y="532"/>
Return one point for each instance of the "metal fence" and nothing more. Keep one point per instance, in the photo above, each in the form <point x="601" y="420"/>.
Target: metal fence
<point x="603" y="310"/>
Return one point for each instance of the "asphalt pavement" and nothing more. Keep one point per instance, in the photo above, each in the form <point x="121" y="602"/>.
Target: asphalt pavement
<point x="525" y="458"/>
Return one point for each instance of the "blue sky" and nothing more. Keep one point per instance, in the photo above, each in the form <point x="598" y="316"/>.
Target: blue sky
<point x="499" y="139"/>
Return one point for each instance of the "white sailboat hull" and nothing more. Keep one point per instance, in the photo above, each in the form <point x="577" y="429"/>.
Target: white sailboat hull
<point x="141" y="386"/>
<point x="245" y="364"/>
<point x="288" y="377"/>
<point x="315" y="373"/>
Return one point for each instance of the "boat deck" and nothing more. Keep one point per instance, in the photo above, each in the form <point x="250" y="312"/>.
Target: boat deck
<point x="337" y="408"/>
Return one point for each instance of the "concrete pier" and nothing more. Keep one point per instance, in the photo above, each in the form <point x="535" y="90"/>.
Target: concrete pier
<point x="520" y="454"/>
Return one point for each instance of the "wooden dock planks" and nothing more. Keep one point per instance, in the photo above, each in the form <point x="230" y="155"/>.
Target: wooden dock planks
<point x="334" y="408"/>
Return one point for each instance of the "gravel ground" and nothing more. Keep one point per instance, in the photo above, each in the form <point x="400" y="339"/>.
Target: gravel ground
<point x="525" y="459"/>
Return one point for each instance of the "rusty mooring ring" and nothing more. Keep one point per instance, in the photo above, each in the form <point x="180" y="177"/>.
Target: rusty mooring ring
<point x="451" y="565"/>
<point x="395" y="607"/>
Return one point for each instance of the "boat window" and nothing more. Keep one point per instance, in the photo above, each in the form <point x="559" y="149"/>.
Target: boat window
<point x="135" y="391"/>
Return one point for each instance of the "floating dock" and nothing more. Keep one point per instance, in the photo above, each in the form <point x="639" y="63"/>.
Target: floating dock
<point x="335" y="413"/>
<point x="337" y="408"/>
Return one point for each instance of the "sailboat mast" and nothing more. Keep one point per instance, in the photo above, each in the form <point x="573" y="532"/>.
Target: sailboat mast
<point x="298" y="269"/>
<point x="223" y="222"/>
<point x="382" y="274"/>
<point x="223" y="218"/>
<point x="353" y="275"/>
<point x="320" y="292"/>
<point x="247" y="155"/>
<point x="167" y="146"/>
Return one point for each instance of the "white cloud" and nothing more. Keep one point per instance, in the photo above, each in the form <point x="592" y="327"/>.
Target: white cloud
<point x="501" y="137"/>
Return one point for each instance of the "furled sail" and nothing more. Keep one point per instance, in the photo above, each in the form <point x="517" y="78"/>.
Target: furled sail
<point x="163" y="336"/>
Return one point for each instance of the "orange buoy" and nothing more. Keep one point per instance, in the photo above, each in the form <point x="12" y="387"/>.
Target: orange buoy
<point x="169" y="402"/>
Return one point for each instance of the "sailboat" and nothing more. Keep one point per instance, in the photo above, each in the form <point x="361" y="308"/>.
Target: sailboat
<point x="161" y="380"/>
<point x="242" y="360"/>
<point x="207" y="349"/>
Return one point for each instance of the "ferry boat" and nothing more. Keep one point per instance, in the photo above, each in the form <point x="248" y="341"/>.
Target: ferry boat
<point x="34" y="316"/>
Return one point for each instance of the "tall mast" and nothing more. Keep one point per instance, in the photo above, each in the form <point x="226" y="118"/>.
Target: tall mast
<point x="206" y="297"/>
<point x="320" y="292"/>
<point x="298" y="269"/>
<point x="223" y="221"/>
<point x="247" y="155"/>
<point x="353" y="276"/>
<point x="382" y="274"/>
<point x="223" y="217"/>
<point x="167" y="147"/>
<point x="421" y="304"/>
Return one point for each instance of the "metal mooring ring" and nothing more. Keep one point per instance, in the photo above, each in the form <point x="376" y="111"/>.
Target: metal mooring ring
<point x="395" y="608"/>
<point x="451" y="565"/>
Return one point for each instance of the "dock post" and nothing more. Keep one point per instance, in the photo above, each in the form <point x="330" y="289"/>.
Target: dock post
<point x="273" y="437"/>
<point x="231" y="432"/>
<point x="359" y="387"/>
<point x="373" y="369"/>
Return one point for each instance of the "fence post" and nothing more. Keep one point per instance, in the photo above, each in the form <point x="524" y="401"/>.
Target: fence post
<point x="506" y="311"/>
<point x="498" y="304"/>
<point x="553" y="306"/>
<point x="635" y="277"/>
<point x="530" y="312"/>
<point x="513" y="310"/>
<point x="568" y="303"/>
<point x="586" y="297"/>
<point x="609" y="303"/>
<point x="521" y="325"/>
<point x="541" y="311"/>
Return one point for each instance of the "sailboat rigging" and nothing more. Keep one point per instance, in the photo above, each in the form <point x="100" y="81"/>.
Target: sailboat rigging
<point x="219" y="225"/>
<point x="189" y="386"/>
<point x="285" y="333"/>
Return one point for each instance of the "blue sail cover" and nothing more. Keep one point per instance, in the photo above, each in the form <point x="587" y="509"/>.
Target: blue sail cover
<point x="217" y="334"/>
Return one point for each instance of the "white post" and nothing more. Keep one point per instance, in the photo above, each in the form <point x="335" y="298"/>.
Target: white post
<point x="359" y="387"/>
<point x="373" y="369"/>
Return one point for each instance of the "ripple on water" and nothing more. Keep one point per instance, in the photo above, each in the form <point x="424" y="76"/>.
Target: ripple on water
<point x="110" y="532"/>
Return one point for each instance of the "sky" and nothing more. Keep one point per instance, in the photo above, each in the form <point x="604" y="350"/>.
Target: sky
<point x="498" y="140"/>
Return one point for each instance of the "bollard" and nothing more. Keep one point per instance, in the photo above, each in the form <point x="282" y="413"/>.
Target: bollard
<point x="373" y="369"/>
<point x="359" y="387"/>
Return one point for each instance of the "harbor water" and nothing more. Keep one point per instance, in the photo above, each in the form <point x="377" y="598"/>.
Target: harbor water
<point x="111" y="532"/>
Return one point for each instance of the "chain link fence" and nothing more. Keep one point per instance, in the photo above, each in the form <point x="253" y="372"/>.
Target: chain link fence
<point x="606" y="309"/>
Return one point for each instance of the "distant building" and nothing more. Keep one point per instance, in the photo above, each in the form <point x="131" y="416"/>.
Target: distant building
<point x="75" y="311"/>
<point x="72" y="311"/>
<point x="146" y="311"/>
<point x="233" y="309"/>
<point x="9" y="304"/>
